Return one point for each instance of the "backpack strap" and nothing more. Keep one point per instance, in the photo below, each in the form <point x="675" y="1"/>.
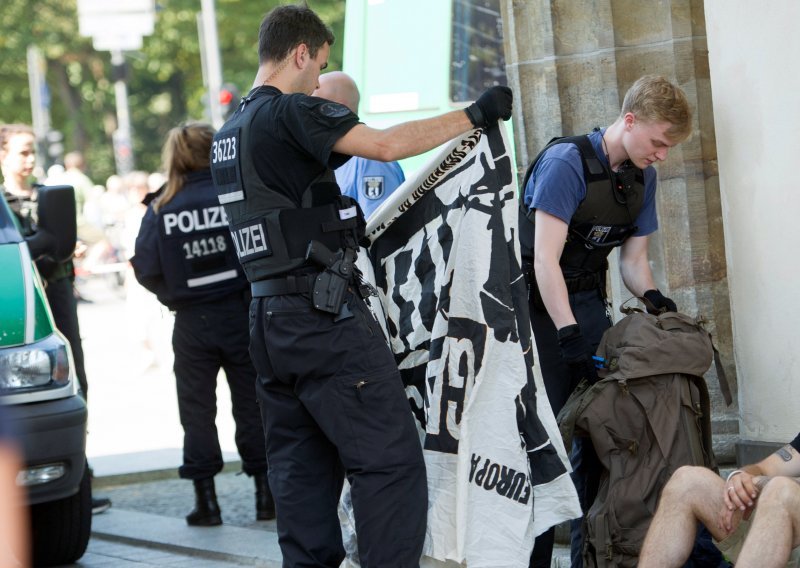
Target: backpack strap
<point x="605" y="556"/>
<point x="722" y="377"/>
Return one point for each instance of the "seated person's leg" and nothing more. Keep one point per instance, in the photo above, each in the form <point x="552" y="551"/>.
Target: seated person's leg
<point x="775" y="526"/>
<point x="692" y="494"/>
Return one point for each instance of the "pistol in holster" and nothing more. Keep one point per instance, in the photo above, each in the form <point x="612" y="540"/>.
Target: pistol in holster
<point x="331" y="284"/>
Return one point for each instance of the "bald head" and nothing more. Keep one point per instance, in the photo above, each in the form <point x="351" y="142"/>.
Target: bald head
<point x="338" y="87"/>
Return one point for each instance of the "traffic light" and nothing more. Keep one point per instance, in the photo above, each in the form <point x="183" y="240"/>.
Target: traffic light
<point x="229" y="98"/>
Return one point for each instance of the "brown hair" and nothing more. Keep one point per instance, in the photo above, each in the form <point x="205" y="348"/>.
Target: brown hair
<point x="187" y="149"/>
<point x="286" y="27"/>
<point x="653" y="98"/>
<point x="9" y="130"/>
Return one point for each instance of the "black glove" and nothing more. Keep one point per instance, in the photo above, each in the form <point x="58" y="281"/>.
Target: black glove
<point x="577" y="354"/>
<point x="491" y="106"/>
<point x="657" y="303"/>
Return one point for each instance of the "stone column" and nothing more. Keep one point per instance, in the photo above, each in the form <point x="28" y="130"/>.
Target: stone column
<point x="570" y="63"/>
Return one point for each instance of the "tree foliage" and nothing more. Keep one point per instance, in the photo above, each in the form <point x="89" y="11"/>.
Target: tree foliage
<point x="164" y="78"/>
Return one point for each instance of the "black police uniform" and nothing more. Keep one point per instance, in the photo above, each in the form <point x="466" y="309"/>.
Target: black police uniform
<point x="184" y="255"/>
<point x="59" y="278"/>
<point x="331" y="396"/>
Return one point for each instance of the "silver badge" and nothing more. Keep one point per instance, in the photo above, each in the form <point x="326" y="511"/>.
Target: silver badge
<point x="373" y="187"/>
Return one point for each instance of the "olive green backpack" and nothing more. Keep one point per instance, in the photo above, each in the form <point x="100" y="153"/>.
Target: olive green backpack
<point x="648" y="415"/>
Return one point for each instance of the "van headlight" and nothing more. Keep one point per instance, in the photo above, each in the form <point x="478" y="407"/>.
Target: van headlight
<point x="44" y="364"/>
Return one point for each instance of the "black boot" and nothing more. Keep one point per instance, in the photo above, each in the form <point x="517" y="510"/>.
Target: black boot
<point x="206" y="510"/>
<point x="265" y="506"/>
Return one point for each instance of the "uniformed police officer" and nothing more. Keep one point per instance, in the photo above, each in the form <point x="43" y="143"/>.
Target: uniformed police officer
<point x="185" y="256"/>
<point x="584" y="196"/>
<point x="331" y="396"/>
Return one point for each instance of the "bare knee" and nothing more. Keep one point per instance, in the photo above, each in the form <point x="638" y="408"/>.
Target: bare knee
<point x="695" y="490"/>
<point x="687" y="481"/>
<point x="783" y="492"/>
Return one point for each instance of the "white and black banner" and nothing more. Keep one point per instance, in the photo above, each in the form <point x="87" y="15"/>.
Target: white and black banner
<point x="447" y="266"/>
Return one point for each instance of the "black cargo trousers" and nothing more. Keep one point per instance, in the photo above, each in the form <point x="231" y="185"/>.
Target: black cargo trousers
<point x="590" y="311"/>
<point x="333" y="405"/>
<point x="207" y="337"/>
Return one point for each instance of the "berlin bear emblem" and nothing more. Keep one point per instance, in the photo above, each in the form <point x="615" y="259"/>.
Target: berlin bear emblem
<point x="373" y="187"/>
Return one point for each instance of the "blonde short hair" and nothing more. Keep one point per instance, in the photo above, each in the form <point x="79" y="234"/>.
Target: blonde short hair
<point x="653" y="98"/>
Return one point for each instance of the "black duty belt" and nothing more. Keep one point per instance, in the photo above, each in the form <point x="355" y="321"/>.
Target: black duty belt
<point x="585" y="282"/>
<point x="592" y="281"/>
<point x="291" y="284"/>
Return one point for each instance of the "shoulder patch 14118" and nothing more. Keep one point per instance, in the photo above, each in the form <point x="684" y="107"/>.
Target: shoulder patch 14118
<point x="333" y="110"/>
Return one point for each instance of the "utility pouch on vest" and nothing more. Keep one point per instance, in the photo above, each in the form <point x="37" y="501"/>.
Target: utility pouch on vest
<point x="330" y="286"/>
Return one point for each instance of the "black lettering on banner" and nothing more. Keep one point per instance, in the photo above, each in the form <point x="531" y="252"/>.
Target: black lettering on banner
<point x="250" y="240"/>
<point x="466" y="339"/>
<point x="481" y="474"/>
<point x="473" y="465"/>
<point x="505" y="481"/>
<point x="492" y="476"/>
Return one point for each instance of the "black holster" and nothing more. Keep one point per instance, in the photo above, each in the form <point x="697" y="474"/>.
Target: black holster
<point x="329" y="288"/>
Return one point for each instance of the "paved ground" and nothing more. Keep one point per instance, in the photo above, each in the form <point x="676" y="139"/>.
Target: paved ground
<point x="134" y="447"/>
<point x="174" y="498"/>
<point x="110" y="554"/>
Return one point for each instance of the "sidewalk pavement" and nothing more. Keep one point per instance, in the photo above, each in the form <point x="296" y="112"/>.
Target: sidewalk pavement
<point x="149" y="506"/>
<point x="228" y="544"/>
<point x="150" y="502"/>
<point x="134" y="449"/>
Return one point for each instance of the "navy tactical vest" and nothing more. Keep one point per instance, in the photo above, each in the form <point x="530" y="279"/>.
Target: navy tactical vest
<point x="605" y="218"/>
<point x="195" y="247"/>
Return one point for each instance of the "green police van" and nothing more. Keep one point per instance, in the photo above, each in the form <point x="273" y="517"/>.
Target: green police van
<point x="40" y="397"/>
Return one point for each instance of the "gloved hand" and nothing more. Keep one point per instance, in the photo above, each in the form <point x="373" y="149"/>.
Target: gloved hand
<point x="491" y="106"/>
<point x="577" y="354"/>
<point x="658" y="303"/>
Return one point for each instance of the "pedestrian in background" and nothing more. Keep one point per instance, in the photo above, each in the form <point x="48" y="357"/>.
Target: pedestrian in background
<point x="185" y="256"/>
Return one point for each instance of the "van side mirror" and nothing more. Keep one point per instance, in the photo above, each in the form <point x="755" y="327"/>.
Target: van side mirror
<point x="57" y="216"/>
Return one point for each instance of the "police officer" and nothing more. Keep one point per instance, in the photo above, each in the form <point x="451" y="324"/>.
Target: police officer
<point x="369" y="182"/>
<point x="331" y="396"/>
<point x="184" y="255"/>
<point x="584" y="196"/>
